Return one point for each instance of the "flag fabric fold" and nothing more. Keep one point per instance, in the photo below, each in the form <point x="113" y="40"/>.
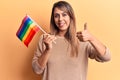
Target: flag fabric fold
<point x="27" y="30"/>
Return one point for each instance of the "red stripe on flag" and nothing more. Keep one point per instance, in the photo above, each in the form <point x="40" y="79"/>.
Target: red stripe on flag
<point x="31" y="35"/>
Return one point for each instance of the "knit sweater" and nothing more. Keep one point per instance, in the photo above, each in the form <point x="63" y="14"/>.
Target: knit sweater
<point x="61" y="66"/>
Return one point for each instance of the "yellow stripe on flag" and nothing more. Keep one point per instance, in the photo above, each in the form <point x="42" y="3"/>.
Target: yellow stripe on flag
<point x="28" y="31"/>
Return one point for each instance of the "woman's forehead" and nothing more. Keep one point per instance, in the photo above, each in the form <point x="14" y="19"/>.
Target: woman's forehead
<point x="62" y="10"/>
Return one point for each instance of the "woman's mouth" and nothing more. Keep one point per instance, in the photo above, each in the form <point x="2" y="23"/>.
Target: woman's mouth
<point x="61" y="24"/>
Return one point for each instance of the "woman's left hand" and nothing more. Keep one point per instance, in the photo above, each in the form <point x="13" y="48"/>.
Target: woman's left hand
<point x="84" y="35"/>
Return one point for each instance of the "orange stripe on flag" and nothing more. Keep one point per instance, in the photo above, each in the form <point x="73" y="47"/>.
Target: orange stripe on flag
<point x="31" y="35"/>
<point x="28" y="31"/>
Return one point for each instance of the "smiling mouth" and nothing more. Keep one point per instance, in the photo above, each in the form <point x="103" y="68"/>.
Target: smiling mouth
<point x="61" y="24"/>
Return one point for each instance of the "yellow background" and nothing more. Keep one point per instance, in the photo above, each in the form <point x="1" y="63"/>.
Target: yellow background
<point x="102" y="16"/>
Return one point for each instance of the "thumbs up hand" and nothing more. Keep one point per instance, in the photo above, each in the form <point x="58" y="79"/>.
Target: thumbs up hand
<point x="84" y="35"/>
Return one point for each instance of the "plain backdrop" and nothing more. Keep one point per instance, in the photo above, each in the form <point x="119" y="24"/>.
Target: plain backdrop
<point x="102" y="16"/>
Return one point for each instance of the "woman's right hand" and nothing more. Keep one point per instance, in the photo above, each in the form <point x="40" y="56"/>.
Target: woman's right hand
<point x="47" y="40"/>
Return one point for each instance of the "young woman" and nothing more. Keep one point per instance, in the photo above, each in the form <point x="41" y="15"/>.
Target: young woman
<point x="63" y="54"/>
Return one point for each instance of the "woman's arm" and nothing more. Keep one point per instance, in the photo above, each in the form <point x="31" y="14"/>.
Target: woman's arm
<point x="47" y="40"/>
<point x="86" y="36"/>
<point x="43" y="59"/>
<point x="42" y="53"/>
<point x="100" y="47"/>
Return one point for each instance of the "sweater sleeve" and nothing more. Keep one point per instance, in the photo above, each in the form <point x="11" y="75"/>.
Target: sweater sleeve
<point x="93" y="54"/>
<point x="35" y="65"/>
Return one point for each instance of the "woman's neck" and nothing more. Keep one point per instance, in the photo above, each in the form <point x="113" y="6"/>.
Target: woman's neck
<point x="61" y="33"/>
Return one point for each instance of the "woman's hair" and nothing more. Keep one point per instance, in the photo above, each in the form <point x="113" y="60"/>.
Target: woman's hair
<point x="71" y="32"/>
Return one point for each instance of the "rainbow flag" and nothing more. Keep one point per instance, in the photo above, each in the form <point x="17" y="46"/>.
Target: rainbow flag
<point x="27" y="30"/>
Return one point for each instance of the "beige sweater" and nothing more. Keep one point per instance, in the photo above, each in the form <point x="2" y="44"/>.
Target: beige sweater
<point x="61" y="66"/>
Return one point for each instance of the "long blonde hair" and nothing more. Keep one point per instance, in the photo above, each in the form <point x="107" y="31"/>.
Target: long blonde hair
<point x="71" y="32"/>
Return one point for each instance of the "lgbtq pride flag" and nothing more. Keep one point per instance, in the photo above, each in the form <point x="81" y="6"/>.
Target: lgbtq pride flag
<point x="27" y="30"/>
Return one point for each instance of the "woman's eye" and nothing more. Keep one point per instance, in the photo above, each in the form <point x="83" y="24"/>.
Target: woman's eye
<point x="64" y="14"/>
<point x="56" y="15"/>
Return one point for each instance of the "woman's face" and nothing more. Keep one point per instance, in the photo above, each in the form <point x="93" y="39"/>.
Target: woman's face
<point x="62" y="19"/>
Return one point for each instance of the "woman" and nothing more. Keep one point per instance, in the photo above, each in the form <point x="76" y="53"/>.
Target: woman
<point x="63" y="54"/>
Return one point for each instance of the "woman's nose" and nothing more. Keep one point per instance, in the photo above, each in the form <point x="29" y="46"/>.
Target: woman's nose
<point x="61" y="17"/>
